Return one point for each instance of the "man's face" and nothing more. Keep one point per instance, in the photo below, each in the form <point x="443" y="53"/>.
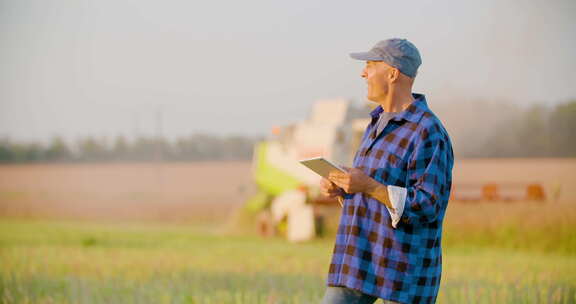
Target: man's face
<point x="377" y="75"/>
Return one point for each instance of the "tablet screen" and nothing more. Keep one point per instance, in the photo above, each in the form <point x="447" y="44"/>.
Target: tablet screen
<point x="321" y="166"/>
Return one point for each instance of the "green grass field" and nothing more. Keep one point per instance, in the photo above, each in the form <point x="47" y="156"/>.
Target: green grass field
<point x="79" y="262"/>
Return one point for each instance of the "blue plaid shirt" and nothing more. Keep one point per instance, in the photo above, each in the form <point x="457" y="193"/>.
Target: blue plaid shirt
<point x="402" y="264"/>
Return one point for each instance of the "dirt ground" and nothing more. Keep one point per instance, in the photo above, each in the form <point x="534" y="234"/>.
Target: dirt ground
<point x="207" y="190"/>
<point x="170" y="191"/>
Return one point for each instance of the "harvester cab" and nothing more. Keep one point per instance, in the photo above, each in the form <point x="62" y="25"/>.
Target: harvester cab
<point x="287" y="191"/>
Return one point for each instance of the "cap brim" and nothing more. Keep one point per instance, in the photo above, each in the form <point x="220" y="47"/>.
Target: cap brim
<point x="366" y="56"/>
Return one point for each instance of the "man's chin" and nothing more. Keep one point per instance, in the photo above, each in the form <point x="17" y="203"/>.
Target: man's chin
<point x="371" y="98"/>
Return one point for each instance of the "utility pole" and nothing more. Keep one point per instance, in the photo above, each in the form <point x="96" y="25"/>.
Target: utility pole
<point x="158" y="155"/>
<point x="159" y="148"/>
<point x="135" y="131"/>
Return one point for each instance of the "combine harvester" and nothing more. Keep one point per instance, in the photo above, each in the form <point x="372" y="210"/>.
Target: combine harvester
<point x="288" y="192"/>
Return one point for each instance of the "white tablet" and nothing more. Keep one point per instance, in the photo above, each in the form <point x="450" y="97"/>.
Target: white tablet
<point x="321" y="166"/>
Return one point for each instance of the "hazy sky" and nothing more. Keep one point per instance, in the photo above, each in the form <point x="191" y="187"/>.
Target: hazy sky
<point x="106" y="67"/>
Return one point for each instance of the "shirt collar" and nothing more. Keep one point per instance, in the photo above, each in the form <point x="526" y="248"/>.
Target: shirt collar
<point x="413" y="113"/>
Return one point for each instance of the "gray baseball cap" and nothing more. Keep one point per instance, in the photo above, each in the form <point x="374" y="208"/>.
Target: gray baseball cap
<point x="399" y="53"/>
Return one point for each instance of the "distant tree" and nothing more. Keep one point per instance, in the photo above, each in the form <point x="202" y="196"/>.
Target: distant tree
<point x="237" y="147"/>
<point x="563" y="130"/>
<point x="121" y="148"/>
<point x="57" y="150"/>
<point x="143" y="149"/>
<point x="28" y="152"/>
<point x="6" y="151"/>
<point x="538" y="132"/>
<point x="533" y="133"/>
<point x="90" y="149"/>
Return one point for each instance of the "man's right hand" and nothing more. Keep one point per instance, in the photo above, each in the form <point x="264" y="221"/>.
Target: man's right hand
<point x="329" y="189"/>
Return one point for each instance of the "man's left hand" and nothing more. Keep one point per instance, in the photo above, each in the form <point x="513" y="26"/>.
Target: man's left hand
<point x="355" y="180"/>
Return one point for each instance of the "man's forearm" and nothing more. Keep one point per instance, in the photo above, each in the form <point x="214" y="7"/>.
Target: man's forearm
<point x="379" y="192"/>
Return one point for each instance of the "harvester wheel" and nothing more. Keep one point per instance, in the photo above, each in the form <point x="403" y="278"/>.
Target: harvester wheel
<point x="265" y="224"/>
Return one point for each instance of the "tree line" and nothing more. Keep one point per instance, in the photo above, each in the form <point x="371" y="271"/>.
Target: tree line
<point x="536" y="131"/>
<point x="198" y="147"/>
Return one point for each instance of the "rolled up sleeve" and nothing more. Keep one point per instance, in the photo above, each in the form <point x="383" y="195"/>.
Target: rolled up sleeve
<point x="397" y="196"/>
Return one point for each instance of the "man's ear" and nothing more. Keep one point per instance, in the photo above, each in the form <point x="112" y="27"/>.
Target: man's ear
<point x="394" y="74"/>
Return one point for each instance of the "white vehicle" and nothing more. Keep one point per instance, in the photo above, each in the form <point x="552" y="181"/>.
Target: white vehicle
<point x="288" y="190"/>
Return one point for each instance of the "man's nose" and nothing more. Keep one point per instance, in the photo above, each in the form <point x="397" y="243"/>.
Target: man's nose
<point x="363" y="75"/>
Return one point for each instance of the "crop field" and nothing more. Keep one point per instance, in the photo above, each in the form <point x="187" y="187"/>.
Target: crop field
<point x="165" y="234"/>
<point x="140" y="191"/>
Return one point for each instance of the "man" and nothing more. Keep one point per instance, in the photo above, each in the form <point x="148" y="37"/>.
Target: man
<point x="395" y="197"/>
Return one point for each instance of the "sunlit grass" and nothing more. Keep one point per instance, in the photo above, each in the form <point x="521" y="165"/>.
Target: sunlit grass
<point x="525" y="226"/>
<point x="73" y="262"/>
